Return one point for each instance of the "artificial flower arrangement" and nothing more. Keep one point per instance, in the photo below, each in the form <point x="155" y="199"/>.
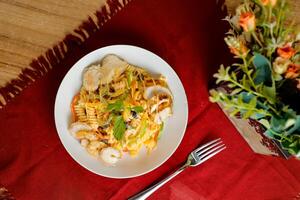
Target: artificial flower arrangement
<point x="264" y="84"/>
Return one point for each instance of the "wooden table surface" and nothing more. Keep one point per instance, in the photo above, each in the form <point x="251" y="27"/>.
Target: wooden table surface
<point x="29" y="27"/>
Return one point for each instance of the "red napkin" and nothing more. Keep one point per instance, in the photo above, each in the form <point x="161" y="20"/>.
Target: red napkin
<point x="189" y="36"/>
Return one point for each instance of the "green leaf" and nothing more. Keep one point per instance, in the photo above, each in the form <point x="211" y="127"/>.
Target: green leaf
<point x="240" y="99"/>
<point x="119" y="127"/>
<point x="269" y="133"/>
<point x="231" y="85"/>
<point x="296" y="126"/>
<point x="289" y="112"/>
<point x="247" y="114"/>
<point x="277" y="123"/>
<point x="289" y="123"/>
<point x="234" y="112"/>
<point x="292" y="145"/>
<point x="247" y="97"/>
<point x="233" y="75"/>
<point x="269" y="92"/>
<point x="251" y="71"/>
<point x="252" y="102"/>
<point x="265" y="123"/>
<point x="245" y="82"/>
<point x="137" y="109"/>
<point x="258" y="115"/>
<point x="223" y="74"/>
<point x="117" y="106"/>
<point x="214" y="96"/>
<point x="263" y="70"/>
<point x="236" y="91"/>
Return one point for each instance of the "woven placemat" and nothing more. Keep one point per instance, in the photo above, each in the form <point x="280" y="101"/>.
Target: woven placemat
<point x="35" y="36"/>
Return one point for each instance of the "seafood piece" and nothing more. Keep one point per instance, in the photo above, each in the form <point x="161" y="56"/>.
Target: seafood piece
<point x="156" y="89"/>
<point x="93" y="152"/>
<point x="91" y="78"/>
<point x="91" y="136"/>
<point x="79" y="126"/>
<point x="94" y="147"/>
<point x="162" y="115"/>
<point x="112" y="66"/>
<point x="81" y="134"/>
<point x="84" y="142"/>
<point x="110" y="155"/>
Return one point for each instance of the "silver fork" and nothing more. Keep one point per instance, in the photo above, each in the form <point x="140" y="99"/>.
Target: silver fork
<point x="196" y="157"/>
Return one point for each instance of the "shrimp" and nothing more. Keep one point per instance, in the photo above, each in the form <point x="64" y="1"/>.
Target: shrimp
<point x="110" y="155"/>
<point x="79" y="126"/>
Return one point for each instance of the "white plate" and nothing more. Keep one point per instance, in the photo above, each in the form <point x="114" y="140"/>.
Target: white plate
<point x="173" y="130"/>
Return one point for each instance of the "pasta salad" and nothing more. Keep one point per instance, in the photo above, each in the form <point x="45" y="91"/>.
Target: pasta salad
<point x="120" y="108"/>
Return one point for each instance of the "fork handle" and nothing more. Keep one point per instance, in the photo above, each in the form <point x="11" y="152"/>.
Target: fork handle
<point x="146" y="193"/>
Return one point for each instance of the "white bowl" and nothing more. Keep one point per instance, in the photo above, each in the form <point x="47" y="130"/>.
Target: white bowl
<point x="174" y="127"/>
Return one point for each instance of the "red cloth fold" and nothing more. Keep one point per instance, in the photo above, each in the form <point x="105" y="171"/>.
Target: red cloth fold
<point x="189" y="36"/>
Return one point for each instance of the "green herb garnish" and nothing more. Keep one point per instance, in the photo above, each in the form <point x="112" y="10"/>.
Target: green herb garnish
<point x="117" y="106"/>
<point x="119" y="127"/>
<point x="137" y="109"/>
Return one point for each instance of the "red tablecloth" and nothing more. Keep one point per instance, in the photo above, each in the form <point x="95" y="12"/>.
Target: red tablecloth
<point x="189" y="36"/>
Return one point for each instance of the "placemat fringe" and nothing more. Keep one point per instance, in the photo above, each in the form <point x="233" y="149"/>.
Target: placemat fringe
<point x="41" y="65"/>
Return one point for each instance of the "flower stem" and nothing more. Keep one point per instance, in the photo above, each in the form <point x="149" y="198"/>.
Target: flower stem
<point x="247" y="72"/>
<point x="256" y="38"/>
<point x="269" y="13"/>
<point x="278" y="21"/>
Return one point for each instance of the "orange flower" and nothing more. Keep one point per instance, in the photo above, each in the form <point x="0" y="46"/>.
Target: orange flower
<point x="247" y="21"/>
<point x="236" y="46"/>
<point x="286" y="51"/>
<point x="267" y="2"/>
<point x="293" y="71"/>
<point x="273" y="2"/>
<point x="280" y="65"/>
<point x="238" y="52"/>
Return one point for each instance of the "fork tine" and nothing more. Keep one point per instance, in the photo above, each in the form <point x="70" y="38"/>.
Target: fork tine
<point x="209" y="147"/>
<point x="212" y="152"/>
<point x="205" y="145"/>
